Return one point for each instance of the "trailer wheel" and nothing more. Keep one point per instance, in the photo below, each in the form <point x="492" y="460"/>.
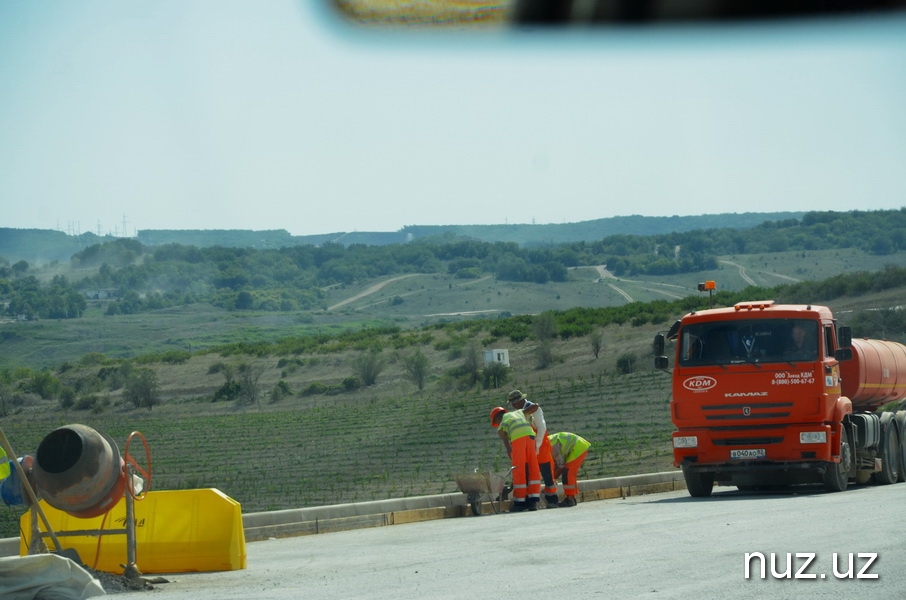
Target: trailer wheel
<point x="890" y="454"/>
<point x="836" y="475"/>
<point x="699" y="484"/>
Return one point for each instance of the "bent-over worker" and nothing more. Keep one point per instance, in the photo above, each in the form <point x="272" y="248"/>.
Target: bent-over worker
<point x="519" y="401"/>
<point x="569" y="451"/>
<point x="519" y="439"/>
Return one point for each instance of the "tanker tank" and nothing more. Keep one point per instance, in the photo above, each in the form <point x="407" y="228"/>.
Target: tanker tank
<point x="876" y="375"/>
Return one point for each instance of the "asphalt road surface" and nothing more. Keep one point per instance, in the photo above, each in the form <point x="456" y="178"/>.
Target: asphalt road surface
<point x="659" y="546"/>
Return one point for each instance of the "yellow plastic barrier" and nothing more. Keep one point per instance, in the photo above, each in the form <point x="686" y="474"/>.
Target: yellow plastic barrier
<point x="176" y="531"/>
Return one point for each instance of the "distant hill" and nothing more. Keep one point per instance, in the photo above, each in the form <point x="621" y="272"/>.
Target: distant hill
<point x="46" y="245"/>
<point x="598" y="229"/>
<point x="522" y="234"/>
<point x="43" y="245"/>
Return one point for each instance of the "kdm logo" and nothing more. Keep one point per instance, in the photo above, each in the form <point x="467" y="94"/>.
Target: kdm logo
<point x="700" y="383"/>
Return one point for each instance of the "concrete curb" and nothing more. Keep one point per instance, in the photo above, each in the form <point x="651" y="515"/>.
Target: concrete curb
<point x="340" y="517"/>
<point x="398" y="511"/>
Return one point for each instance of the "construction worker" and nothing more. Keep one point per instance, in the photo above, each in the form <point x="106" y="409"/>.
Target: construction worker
<point x="519" y="439"/>
<point x="518" y="401"/>
<point x="569" y="451"/>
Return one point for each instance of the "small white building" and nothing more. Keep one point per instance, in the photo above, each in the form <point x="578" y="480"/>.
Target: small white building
<point x="497" y="355"/>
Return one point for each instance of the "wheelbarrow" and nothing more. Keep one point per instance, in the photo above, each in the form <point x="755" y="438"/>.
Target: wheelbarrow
<point x="485" y="485"/>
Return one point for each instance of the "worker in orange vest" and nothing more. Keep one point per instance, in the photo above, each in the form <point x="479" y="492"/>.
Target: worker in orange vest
<point x="569" y="451"/>
<point x="518" y="401"/>
<point x="519" y="439"/>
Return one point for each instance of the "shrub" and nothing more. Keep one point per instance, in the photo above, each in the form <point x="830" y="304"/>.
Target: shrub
<point x="142" y="389"/>
<point x="368" y="366"/>
<point x="67" y="398"/>
<point x="175" y="357"/>
<point x="90" y="402"/>
<point x="626" y="363"/>
<point x="44" y="384"/>
<point x="416" y="368"/>
<point x="228" y="391"/>
<point x="314" y="388"/>
<point x="92" y="359"/>
<point x="215" y="368"/>
<point x="494" y="375"/>
<point x="280" y="391"/>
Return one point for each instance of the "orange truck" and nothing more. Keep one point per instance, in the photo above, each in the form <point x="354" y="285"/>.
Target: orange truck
<point x="767" y="394"/>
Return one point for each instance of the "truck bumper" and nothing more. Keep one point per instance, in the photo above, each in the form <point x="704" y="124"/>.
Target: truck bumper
<point x="759" y="455"/>
<point x="761" y="473"/>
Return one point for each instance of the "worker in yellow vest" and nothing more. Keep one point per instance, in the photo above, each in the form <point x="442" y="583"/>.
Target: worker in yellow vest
<point x="569" y="451"/>
<point x="519" y="439"/>
<point x="519" y="401"/>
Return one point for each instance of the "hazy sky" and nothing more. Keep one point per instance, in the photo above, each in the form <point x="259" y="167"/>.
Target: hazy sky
<point x="223" y="114"/>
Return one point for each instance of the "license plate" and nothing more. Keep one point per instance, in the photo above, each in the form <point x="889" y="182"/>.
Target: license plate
<point x="748" y="453"/>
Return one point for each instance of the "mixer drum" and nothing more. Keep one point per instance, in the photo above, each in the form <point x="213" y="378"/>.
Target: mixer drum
<point x="79" y="471"/>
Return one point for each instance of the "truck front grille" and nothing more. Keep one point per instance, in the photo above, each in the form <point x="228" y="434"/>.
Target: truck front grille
<point x="730" y="412"/>
<point x="749" y="441"/>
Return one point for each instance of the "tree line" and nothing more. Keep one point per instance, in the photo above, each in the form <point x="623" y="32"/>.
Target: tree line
<point x="140" y="278"/>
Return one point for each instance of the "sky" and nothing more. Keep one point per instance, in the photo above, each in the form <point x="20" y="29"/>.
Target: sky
<point x="228" y="114"/>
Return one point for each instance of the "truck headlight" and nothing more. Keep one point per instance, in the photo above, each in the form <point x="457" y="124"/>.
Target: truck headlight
<point x="812" y="437"/>
<point x="685" y="441"/>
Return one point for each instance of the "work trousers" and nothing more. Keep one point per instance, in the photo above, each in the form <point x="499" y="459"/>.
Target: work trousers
<point x="546" y="465"/>
<point x="570" y="471"/>
<point x="526" y="474"/>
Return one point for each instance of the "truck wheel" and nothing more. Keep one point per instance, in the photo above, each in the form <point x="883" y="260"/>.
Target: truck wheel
<point x="699" y="484"/>
<point x="890" y="454"/>
<point x="901" y="426"/>
<point x="836" y="475"/>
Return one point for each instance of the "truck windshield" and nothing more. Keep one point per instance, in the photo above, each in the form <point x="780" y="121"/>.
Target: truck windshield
<point x="753" y="340"/>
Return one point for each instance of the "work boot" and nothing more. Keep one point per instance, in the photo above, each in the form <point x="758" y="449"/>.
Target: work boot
<point x="551" y="500"/>
<point x="568" y="502"/>
<point x="533" y="504"/>
<point x="517" y="507"/>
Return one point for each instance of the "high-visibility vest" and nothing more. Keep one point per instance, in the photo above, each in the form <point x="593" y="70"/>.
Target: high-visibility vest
<point x="516" y="425"/>
<point x="571" y="446"/>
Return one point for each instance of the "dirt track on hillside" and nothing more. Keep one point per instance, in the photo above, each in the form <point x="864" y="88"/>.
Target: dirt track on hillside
<point x="367" y="292"/>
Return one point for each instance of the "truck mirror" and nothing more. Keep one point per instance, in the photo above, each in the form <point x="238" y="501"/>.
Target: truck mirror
<point x="842" y="354"/>
<point x="844" y="337"/>
<point x="674" y="329"/>
<point x="661" y="363"/>
<point x="659" y="343"/>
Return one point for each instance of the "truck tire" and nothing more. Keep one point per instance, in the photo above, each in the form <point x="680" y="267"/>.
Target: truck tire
<point x="889" y="452"/>
<point x="698" y="483"/>
<point x="901" y="426"/>
<point x="836" y="475"/>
